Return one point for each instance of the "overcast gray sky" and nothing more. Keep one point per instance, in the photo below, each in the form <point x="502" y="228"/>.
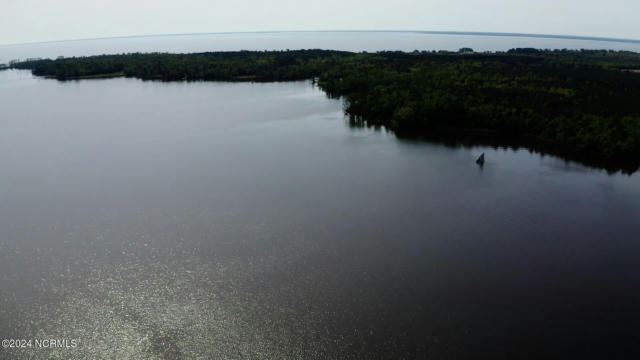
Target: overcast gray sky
<point x="43" y="20"/>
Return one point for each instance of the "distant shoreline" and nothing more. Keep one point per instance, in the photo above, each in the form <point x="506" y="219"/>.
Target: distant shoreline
<point x="426" y="32"/>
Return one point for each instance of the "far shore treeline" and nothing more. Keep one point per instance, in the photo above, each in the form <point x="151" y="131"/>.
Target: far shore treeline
<point x="584" y="105"/>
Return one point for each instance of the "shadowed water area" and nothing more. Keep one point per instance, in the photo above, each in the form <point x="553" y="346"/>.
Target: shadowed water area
<point x="186" y="220"/>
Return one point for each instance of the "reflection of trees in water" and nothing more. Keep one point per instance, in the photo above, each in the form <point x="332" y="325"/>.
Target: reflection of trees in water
<point x="469" y="138"/>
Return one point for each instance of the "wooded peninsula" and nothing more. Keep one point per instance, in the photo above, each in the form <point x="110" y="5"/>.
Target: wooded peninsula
<point x="583" y="105"/>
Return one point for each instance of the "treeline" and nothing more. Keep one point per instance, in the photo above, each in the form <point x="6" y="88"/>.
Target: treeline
<point x="587" y="112"/>
<point x="225" y="66"/>
<point x="584" y="104"/>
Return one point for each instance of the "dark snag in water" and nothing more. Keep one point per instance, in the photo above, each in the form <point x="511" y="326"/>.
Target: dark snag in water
<point x="480" y="160"/>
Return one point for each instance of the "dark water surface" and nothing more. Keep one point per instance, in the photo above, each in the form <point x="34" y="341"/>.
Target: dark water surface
<point x="180" y="220"/>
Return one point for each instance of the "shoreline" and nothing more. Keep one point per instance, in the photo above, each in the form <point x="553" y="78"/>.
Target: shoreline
<point x="579" y="104"/>
<point x="95" y="76"/>
<point x="500" y="138"/>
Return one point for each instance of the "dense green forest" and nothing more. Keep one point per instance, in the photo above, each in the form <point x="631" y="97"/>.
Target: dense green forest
<point x="584" y="105"/>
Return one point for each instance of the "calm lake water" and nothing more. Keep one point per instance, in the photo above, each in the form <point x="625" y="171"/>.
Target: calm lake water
<point x="152" y="220"/>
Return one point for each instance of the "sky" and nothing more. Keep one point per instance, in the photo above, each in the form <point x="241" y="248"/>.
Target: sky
<point x="46" y="20"/>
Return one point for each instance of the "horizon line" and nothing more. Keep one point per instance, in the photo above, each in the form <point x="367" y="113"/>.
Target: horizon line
<point x="429" y="32"/>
